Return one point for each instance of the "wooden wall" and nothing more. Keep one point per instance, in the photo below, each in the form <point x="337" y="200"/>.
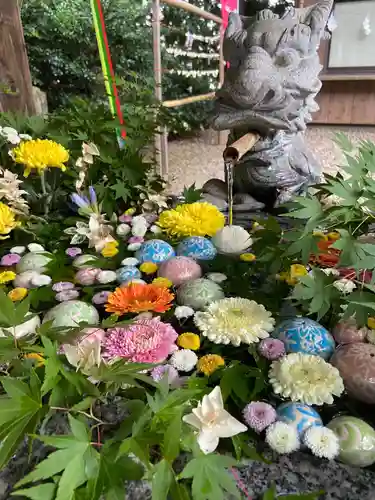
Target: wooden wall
<point x="16" y="92"/>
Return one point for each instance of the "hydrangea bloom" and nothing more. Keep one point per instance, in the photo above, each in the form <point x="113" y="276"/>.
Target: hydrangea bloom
<point x="145" y="341"/>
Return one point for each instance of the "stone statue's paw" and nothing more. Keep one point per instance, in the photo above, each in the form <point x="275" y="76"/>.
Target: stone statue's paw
<point x="216" y="188"/>
<point x="243" y="202"/>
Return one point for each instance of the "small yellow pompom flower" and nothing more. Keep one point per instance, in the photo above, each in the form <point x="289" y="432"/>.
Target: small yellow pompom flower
<point x="163" y="282"/>
<point x="110" y="249"/>
<point x="7" y="221"/>
<point x="189" y="340"/>
<point x="38" y="358"/>
<point x="320" y="235"/>
<point x="18" y="294"/>
<point x="333" y="236"/>
<point x="40" y="154"/>
<point x="148" y="267"/>
<point x="130" y="211"/>
<point x="371" y="323"/>
<point x="209" y="363"/>
<point x="295" y="272"/>
<point x="192" y="219"/>
<point x="7" y="276"/>
<point x="247" y="257"/>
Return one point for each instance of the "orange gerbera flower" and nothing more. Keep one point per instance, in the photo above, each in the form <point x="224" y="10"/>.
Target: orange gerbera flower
<point x="139" y="297"/>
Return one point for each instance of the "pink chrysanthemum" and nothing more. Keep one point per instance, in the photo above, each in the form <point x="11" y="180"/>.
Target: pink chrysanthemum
<point x="271" y="349"/>
<point x="259" y="416"/>
<point x="145" y="341"/>
<point x="158" y="373"/>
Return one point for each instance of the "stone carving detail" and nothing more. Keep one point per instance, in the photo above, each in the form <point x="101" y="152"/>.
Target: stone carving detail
<point x="270" y="88"/>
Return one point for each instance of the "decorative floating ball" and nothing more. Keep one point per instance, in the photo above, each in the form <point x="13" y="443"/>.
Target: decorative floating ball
<point x="70" y="314"/>
<point x="84" y="261"/>
<point x="306" y="336"/>
<point x="347" y="332"/>
<point x="197" y="247"/>
<point x="232" y="240"/>
<point x="299" y="415"/>
<point x="356" y="364"/>
<point x="25" y="329"/>
<point x="199" y="293"/>
<point x="357" y="440"/>
<point x="180" y="270"/>
<point x="128" y="273"/>
<point x="33" y="262"/>
<point x="156" y="251"/>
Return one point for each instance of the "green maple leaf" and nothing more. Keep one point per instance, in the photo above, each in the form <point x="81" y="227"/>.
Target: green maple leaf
<point x="20" y="413"/>
<point x="75" y="459"/>
<point x="210" y="477"/>
<point x="316" y="291"/>
<point x="192" y="194"/>
<point x="120" y="190"/>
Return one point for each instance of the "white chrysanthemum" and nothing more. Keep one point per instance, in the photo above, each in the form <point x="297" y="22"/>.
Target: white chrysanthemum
<point x="330" y="271"/>
<point x="344" y="285"/>
<point x="184" y="360"/>
<point x="234" y="321"/>
<point x="282" y="437"/>
<point x="183" y="312"/>
<point x="305" y="378"/>
<point x="20" y="250"/>
<point x="41" y="280"/>
<point x="123" y="230"/>
<point x="105" y="277"/>
<point x="322" y="442"/>
<point x="35" y="248"/>
<point x="217" y="277"/>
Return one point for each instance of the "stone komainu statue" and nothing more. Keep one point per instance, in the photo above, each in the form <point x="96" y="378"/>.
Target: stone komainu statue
<point x="270" y="88"/>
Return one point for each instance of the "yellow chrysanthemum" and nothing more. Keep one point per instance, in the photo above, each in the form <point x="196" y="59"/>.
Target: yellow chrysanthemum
<point x="321" y="235"/>
<point x="148" y="267"/>
<point x="247" y="257"/>
<point x="40" y="154"/>
<point x="110" y="249"/>
<point x="189" y="340"/>
<point x="371" y="323"/>
<point x="17" y="294"/>
<point x="7" y="221"/>
<point x="295" y="272"/>
<point x="38" y="358"/>
<point x="164" y="282"/>
<point x="333" y="236"/>
<point x="193" y="219"/>
<point x="7" y="276"/>
<point x="209" y="363"/>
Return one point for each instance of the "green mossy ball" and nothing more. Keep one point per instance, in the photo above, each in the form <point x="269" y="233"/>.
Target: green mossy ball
<point x="70" y="314"/>
<point x="199" y="293"/>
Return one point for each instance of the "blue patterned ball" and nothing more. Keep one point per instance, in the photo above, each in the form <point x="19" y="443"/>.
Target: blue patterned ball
<point x="197" y="247"/>
<point x="299" y="415"/>
<point x="306" y="336"/>
<point x="128" y="273"/>
<point x="156" y="251"/>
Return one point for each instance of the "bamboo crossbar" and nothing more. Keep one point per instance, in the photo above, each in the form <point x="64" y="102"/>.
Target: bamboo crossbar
<point x="194" y="10"/>
<point x="188" y="100"/>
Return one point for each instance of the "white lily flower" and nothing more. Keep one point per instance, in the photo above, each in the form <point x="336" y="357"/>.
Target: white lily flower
<point x="213" y="421"/>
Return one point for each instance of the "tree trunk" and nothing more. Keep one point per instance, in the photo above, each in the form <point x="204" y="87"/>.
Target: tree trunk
<point x="16" y="93"/>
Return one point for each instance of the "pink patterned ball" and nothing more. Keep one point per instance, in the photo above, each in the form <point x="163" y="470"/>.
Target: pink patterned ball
<point x="87" y="277"/>
<point x="179" y="270"/>
<point x="347" y="332"/>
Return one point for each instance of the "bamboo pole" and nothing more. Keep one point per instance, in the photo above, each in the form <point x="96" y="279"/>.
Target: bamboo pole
<point x="189" y="100"/>
<point x="161" y="137"/>
<point x="194" y="10"/>
<point x="238" y="148"/>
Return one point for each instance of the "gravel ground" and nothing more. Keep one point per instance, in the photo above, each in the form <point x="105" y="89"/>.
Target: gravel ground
<point x="195" y="160"/>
